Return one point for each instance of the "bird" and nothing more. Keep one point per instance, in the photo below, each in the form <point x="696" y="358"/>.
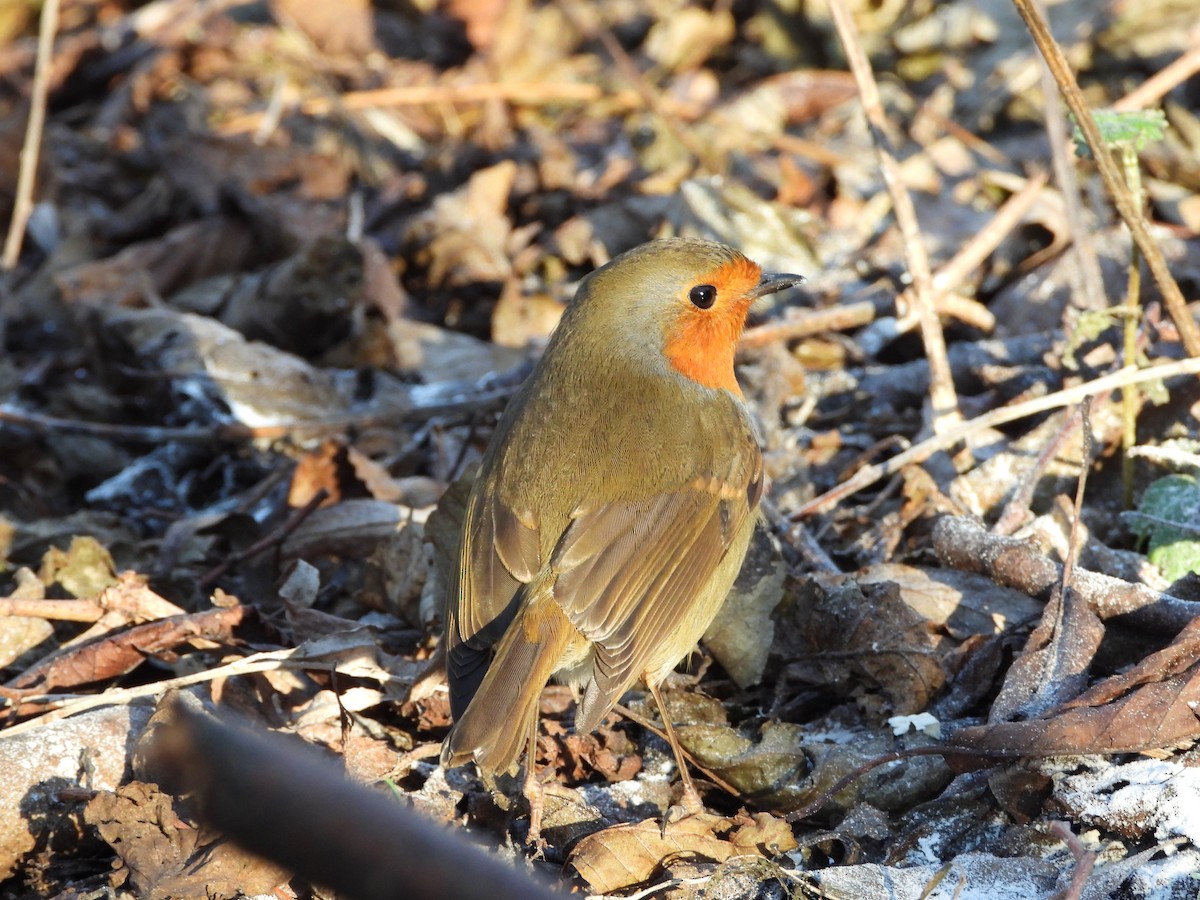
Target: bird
<point x="613" y="506"/>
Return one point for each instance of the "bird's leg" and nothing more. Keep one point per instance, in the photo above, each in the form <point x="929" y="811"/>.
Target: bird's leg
<point x="692" y="804"/>
<point x="534" y="793"/>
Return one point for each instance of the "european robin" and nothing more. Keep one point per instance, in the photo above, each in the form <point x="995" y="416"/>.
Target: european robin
<point x="614" y="504"/>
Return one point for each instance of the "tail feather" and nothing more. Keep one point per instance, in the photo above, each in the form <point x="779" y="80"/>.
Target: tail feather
<point x="497" y="723"/>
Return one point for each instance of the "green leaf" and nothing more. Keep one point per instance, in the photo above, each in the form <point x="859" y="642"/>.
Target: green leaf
<point x="1169" y="516"/>
<point x="1134" y="128"/>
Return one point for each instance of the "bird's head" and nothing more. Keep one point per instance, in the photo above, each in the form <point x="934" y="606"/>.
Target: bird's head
<point x="682" y="299"/>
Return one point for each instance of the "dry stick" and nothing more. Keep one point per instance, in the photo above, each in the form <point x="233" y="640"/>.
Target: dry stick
<point x="519" y="94"/>
<point x="809" y="322"/>
<point x="1189" y="332"/>
<point x="267" y="542"/>
<point x="975" y="251"/>
<point x="1166" y="455"/>
<point x="237" y="433"/>
<point x="941" y="385"/>
<point x="813" y="150"/>
<point x="920" y="452"/>
<point x="972" y="255"/>
<point x="961" y="542"/>
<point x="61" y="706"/>
<point x="855" y="315"/>
<point x="1156" y="86"/>
<point x="1016" y="510"/>
<point x="23" y="202"/>
<point x="946" y="279"/>
<point x="970" y="140"/>
<point x="1085" y="860"/>
<point x="1089" y="441"/>
<point x="627" y="713"/>
<point x="1087" y="282"/>
<point x="57" y="610"/>
<point x="799" y="538"/>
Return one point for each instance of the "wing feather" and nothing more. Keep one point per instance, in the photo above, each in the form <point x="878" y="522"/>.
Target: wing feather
<point x="499" y="554"/>
<point x="629" y="572"/>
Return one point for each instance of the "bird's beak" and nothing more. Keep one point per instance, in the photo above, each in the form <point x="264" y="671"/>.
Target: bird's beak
<point x="773" y="283"/>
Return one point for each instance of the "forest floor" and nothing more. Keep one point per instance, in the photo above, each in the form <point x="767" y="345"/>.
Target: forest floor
<point x="281" y="266"/>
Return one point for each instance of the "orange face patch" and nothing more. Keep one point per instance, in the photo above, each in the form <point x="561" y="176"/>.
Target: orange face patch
<point x="702" y="342"/>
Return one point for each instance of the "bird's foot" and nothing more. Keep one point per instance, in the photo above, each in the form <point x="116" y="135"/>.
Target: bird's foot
<point x="689" y="804"/>
<point x="535" y="795"/>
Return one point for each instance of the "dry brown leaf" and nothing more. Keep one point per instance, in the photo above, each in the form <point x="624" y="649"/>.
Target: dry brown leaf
<point x="626" y="855"/>
<point x="349" y="529"/>
<point x="346" y="27"/>
<point x="34" y="766"/>
<point x="260" y="384"/>
<point x="961" y="602"/>
<point x="306" y="304"/>
<point x="157" y="268"/>
<point x="108" y="657"/>
<point x="162" y="857"/>
<point x="629" y="854"/>
<point x="764" y="834"/>
<point x="83" y="570"/>
<point x="520" y="319"/>
<point x="318" y="470"/>
<point x="19" y="634"/>
<point x="606" y="751"/>
<point x="1152" y="706"/>
<point x="845" y="633"/>
<point x="687" y="38"/>
<point x="481" y="18"/>
<point x="469" y="231"/>
<point x="414" y="491"/>
<point x="439" y="354"/>
<point x="395" y="576"/>
<point x="1053" y="666"/>
<point x="1156" y="716"/>
<point x="1175" y="659"/>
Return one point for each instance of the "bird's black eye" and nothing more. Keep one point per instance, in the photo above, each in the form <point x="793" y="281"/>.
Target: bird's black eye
<point x="703" y="295"/>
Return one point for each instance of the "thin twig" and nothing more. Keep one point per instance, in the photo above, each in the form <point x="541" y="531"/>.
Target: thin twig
<point x="855" y="315"/>
<point x="1166" y="455"/>
<point x="1085" y="860"/>
<point x="799" y="538"/>
<point x="1073" y="542"/>
<point x="941" y="385"/>
<point x="516" y="93"/>
<point x="708" y="773"/>
<point x="978" y="248"/>
<point x="1016" y="510"/>
<point x="1087" y="281"/>
<point x="237" y="433"/>
<point x="918" y="453"/>
<point x="810" y="322"/>
<point x="30" y="150"/>
<point x="57" y="610"/>
<point x="1157" y="85"/>
<point x="267" y="542"/>
<point x="1189" y="331"/>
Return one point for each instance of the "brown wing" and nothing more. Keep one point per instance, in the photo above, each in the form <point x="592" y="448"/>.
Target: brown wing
<point x="630" y="572"/>
<point x="499" y="553"/>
